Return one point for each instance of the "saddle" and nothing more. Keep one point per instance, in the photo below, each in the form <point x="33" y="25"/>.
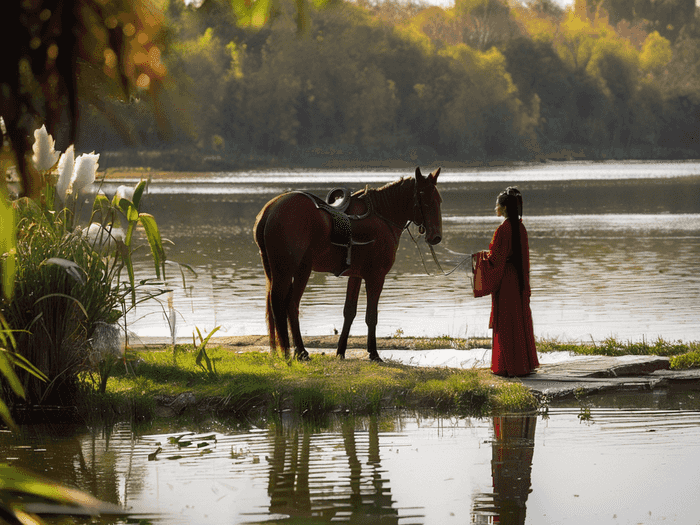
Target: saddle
<point x="336" y="203"/>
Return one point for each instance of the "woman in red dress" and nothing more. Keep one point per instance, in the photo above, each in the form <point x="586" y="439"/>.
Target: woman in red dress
<point x="508" y="263"/>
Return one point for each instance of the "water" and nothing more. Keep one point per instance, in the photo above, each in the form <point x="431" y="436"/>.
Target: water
<point x="614" y="251"/>
<point x="639" y="463"/>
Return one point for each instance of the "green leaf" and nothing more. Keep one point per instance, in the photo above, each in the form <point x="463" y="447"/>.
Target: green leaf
<point x="22" y="362"/>
<point x="6" y="416"/>
<point x="138" y="193"/>
<point x="101" y="207"/>
<point x="10" y="376"/>
<point x="155" y="242"/>
<point x="260" y="13"/>
<point x="8" y="246"/>
<point x="132" y="214"/>
<point x="17" y="481"/>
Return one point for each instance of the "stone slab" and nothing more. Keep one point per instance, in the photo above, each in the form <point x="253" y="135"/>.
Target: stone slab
<point x="600" y="374"/>
<point x="604" y="366"/>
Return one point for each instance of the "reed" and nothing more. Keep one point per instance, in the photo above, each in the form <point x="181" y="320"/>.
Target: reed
<point x="66" y="281"/>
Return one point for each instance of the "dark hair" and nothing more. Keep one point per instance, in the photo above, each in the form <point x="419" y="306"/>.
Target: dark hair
<point x="512" y="200"/>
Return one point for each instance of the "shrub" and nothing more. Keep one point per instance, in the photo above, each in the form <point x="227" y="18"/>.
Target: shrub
<point x="68" y="283"/>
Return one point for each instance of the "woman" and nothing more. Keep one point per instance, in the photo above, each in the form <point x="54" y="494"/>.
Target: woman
<point x="507" y="267"/>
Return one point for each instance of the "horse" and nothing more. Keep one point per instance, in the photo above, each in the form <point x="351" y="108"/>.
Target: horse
<point x="293" y="232"/>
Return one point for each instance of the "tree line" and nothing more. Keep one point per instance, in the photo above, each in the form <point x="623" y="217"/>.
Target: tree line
<point x="377" y="80"/>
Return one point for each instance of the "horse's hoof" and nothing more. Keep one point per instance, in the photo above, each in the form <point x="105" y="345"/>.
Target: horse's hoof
<point x="375" y="357"/>
<point x="302" y="355"/>
<point x="340" y="355"/>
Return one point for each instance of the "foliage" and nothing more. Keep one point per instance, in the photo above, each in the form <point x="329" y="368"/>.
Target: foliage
<point x="68" y="284"/>
<point x="201" y="351"/>
<point x="391" y="80"/>
<point x="687" y="360"/>
<point x="48" y="44"/>
<point x="24" y="496"/>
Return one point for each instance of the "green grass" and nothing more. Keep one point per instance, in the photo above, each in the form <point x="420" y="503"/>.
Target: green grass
<point x="682" y="355"/>
<point x="256" y="382"/>
<point x="687" y="360"/>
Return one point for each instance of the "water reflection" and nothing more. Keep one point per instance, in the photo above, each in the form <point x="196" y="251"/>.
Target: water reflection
<point x="513" y="446"/>
<point x="362" y="495"/>
<point x="617" y="467"/>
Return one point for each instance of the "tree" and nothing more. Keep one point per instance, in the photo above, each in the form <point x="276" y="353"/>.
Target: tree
<point x="45" y="42"/>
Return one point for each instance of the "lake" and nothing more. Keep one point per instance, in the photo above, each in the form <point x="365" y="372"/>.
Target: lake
<point x="614" y="252"/>
<point x="579" y="464"/>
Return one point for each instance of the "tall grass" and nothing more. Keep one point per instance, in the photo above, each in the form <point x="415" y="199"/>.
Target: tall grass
<point x="68" y="280"/>
<point x="56" y="307"/>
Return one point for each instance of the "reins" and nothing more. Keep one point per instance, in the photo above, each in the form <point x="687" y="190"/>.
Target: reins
<point x="437" y="263"/>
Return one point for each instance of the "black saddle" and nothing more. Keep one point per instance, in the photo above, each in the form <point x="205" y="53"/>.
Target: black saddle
<point x="337" y="201"/>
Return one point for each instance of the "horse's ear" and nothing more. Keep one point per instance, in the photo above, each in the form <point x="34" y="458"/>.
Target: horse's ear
<point x="419" y="175"/>
<point x="434" y="175"/>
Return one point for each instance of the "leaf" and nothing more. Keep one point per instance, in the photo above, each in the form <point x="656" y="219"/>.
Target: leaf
<point x="101" y="208"/>
<point x="10" y="376"/>
<point x="155" y="242"/>
<point x="8" y="244"/>
<point x="206" y="340"/>
<point x="138" y="193"/>
<point x="6" y="416"/>
<point x="14" y="480"/>
<point x="132" y="214"/>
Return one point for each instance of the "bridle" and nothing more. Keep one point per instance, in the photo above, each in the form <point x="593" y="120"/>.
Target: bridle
<point x="419" y="207"/>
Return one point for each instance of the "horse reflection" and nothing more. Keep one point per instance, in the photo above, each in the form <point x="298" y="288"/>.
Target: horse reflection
<point x="352" y="496"/>
<point x="511" y="465"/>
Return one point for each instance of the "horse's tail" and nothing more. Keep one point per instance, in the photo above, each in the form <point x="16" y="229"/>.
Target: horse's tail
<point x="259" y="233"/>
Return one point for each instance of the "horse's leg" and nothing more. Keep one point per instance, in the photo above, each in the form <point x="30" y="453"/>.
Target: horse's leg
<point x="349" y="312"/>
<point x="280" y="295"/>
<point x="301" y="278"/>
<point x="374" y="288"/>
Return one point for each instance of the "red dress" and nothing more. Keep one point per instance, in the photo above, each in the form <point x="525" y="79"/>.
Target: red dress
<point x="514" y="352"/>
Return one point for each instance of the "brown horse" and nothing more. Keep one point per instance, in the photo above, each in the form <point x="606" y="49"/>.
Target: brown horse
<point x="294" y="237"/>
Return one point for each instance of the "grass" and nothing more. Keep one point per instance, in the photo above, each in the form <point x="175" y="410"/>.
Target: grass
<point x="254" y="383"/>
<point x="681" y="355"/>
<point x="248" y="383"/>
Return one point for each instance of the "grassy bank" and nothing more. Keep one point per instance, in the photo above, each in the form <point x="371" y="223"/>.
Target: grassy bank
<point x="245" y="381"/>
<point x="254" y="383"/>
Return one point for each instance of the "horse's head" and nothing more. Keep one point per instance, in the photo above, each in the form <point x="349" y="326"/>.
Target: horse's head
<point x="427" y="214"/>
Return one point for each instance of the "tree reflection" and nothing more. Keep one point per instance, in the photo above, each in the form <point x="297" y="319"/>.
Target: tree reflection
<point x="356" y="492"/>
<point x="511" y="466"/>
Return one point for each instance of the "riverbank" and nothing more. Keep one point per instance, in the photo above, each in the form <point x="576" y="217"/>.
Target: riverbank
<point x="238" y="377"/>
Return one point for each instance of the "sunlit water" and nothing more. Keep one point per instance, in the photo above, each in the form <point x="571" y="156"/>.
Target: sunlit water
<point x="614" y="252"/>
<point x="639" y="463"/>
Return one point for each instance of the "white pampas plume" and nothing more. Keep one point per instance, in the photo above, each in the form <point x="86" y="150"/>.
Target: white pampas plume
<point x="65" y="172"/>
<point x="84" y="172"/>
<point x="45" y="156"/>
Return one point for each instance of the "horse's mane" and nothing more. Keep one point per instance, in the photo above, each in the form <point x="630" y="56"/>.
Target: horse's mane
<point x="391" y="194"/>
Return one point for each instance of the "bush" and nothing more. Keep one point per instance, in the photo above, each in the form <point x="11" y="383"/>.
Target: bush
<point x="68" y="285"/>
